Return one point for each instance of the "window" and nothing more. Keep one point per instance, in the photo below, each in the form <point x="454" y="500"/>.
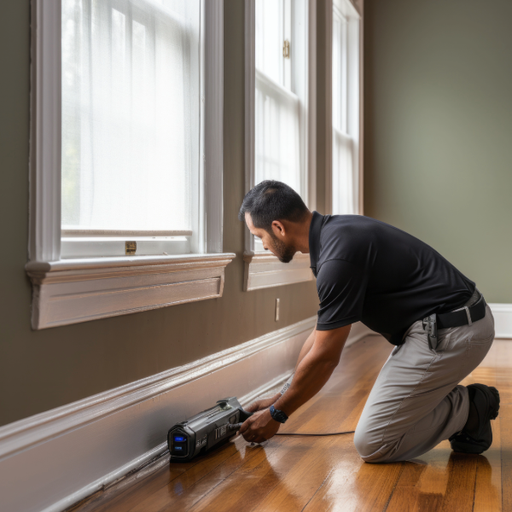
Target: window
<point x="277" y="106"/>
<point x="126" y="158"/>
<point x="280" y="118"/>
<point x="130" y="126"/>
<point x="345" y="108"/>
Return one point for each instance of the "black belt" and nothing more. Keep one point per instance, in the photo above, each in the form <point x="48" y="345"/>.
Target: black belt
<point x="466" y="315"/>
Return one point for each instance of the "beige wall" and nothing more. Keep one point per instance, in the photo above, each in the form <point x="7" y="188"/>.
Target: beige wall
<point x="40" y="370"/>
<point x="438" y="129"/>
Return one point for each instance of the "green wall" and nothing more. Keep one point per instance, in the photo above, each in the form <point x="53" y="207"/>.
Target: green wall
<point x="40" y="370"/>
<point x="438" y="129"/>
<point x="438" y="158"/>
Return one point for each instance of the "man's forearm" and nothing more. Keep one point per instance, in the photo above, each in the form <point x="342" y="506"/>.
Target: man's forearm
<point x="306" y="348"/>
<point x="308" y="381"/>
<point x="303" y="352"/>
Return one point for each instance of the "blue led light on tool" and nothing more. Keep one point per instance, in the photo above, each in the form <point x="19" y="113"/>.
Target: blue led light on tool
<point x="179" y="439"/>
<point x="178" y="447"/>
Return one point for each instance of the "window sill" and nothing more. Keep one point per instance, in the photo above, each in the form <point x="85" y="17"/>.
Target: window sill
<point x="266" y="271"/>
<point x="78" y="290"/>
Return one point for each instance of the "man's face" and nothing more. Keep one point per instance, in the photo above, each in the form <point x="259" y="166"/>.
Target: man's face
<point x="271" y="242"/>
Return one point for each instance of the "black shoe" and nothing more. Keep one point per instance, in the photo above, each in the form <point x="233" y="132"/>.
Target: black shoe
<point x="486" y="401"/>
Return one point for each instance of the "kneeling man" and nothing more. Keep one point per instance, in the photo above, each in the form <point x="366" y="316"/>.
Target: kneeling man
<point x="400" y="287"/>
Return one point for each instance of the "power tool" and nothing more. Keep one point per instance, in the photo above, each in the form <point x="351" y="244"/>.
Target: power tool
<point x="205" y="430"/>
<point x="213" y="427"/>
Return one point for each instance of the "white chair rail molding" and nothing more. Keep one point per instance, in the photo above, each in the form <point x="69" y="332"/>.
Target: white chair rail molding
<point x="126" y="157"/>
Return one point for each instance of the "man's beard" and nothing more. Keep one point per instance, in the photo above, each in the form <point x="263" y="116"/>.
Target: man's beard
<point x="284" y="252"/>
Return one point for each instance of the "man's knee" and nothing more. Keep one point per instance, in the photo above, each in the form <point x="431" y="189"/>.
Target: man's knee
<point x="371" y="447"/>
<point x="365" y="443"/>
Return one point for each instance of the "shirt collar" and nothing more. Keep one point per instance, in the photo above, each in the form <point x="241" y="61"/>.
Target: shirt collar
<point x="314" y="239"/>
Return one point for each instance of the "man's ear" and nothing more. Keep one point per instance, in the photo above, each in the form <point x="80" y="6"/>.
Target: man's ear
<point x="278" y="228"/>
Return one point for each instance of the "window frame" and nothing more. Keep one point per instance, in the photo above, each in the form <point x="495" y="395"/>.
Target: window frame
<point x="264" y="270"/>
<point x="353" y="11"/>
<point x="67" y="291"/>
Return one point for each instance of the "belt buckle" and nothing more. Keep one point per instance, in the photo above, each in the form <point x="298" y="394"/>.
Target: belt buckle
<point x="430" y="327"/>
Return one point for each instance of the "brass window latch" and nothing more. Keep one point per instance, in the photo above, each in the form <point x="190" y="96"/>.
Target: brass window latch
<point x="130" y="248"/>
<point x="286" y="49"/>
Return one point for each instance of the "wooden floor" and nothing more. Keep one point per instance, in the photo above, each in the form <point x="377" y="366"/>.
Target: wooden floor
<point x="326" y="474"/>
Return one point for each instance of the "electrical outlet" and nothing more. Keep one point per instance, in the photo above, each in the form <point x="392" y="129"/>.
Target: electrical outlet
<point x="277" y="310"/>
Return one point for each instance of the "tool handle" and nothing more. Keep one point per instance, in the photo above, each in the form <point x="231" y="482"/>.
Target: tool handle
<point x="244" y="414"/>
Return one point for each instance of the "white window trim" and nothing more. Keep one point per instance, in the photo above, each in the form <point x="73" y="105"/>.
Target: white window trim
<point x="263" y="270"/>
<point x="76" y="290"/>
<point x="356" y="12"/>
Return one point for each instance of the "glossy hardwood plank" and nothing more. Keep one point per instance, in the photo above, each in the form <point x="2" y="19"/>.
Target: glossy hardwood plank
<point x="325" y="473"/>
<point x="190" y="487"/>
<point x="275" y="462"/>
<point x="353" y="485"/>
<point x="300" y="482"/>
<point x="440" y="480"/>
<point x="178" y="476"/>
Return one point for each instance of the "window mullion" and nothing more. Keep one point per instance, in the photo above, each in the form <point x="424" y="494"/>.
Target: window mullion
<point x="287" y="36"/>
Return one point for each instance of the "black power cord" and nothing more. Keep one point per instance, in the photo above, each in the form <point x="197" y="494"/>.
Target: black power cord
<point x="314" y="435"/>
<point x="236" y="426"/>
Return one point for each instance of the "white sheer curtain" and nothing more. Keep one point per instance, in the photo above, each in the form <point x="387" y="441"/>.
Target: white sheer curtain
<point x="277" y="133"/>
<point x="130" y="114"/>
<point x="269" y="38"/>
<point x="343" y="176"/>
<point x="277" y="107"/>
<point x="339" y="72"/>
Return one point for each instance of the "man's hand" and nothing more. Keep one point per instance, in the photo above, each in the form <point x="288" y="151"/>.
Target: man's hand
<point x="265" y="403"/>
<point x="259" y="427"/>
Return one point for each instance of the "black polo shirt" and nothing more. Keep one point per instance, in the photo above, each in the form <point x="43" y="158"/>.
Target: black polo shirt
<point x="372" y="272"/>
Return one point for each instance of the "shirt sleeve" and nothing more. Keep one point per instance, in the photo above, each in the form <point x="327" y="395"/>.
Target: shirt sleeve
<point x="341" y="289"/>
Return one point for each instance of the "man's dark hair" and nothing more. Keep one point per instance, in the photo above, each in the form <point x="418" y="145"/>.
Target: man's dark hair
<point x="272" y="200"/>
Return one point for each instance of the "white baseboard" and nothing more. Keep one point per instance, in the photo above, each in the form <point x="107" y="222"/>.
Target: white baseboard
<point x="502" y="320"/>
<point x="50" y="461"/>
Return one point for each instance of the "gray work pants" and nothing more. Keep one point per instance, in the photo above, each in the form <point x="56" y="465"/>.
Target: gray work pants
<point x="416" y="401"/>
